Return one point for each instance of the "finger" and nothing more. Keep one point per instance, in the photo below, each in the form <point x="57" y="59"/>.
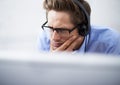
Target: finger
<point x="76" y="44"/>
<point x="67" y="43"/>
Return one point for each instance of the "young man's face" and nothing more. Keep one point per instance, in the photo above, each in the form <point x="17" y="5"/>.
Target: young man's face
<point x="60" y="20"/>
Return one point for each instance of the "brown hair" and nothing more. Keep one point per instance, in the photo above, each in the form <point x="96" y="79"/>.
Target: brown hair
<point x="68" y="6"/>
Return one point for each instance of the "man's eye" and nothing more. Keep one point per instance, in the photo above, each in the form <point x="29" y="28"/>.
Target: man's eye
<point x="63" y="31"/>
<point x="60" y="30"/>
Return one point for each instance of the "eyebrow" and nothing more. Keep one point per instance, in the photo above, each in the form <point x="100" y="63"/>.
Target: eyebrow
<point x="62" y="28"/>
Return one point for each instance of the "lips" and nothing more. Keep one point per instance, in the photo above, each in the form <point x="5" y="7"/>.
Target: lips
<point x="56" y="44"/>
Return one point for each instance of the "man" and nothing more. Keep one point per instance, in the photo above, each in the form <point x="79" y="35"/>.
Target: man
<point x="68" y="29"/>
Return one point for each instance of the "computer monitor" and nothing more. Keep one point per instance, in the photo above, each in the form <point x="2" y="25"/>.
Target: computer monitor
<point x="21" y="68"/>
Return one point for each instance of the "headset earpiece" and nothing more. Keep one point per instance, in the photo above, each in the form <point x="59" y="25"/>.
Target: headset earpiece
<point x="82" y="29"/>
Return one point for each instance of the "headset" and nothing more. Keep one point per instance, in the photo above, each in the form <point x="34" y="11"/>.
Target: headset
<point x="84" y="27"/>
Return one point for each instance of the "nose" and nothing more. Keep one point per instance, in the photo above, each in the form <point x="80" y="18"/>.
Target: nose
<point x="55" y="36"/>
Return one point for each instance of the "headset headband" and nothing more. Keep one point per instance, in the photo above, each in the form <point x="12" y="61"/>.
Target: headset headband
<point x="87" y="17"/>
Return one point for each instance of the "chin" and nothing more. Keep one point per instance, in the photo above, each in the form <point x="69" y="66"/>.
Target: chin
<point x="54" y="48"/>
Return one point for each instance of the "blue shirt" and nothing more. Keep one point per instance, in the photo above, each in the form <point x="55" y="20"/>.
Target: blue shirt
<point x="102" y="40"/>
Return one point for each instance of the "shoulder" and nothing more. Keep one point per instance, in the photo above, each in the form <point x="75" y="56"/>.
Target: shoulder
<point x="105" y="39"/>
<point x="104" y="33"/>
<point x="43" y="41"/>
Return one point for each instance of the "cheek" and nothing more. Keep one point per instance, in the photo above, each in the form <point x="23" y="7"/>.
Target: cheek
<point x="64" y="39"/>
<point x="75" y="32"/>
<point x="59" y="39"/>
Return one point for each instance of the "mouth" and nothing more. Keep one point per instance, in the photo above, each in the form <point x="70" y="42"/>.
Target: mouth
<point x="56" y="45"/>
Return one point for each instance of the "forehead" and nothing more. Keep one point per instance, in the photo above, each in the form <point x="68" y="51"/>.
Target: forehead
<point x="59" y="16"/>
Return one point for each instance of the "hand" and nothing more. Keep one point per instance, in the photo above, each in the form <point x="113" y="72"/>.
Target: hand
<point x="73" y="43"/>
